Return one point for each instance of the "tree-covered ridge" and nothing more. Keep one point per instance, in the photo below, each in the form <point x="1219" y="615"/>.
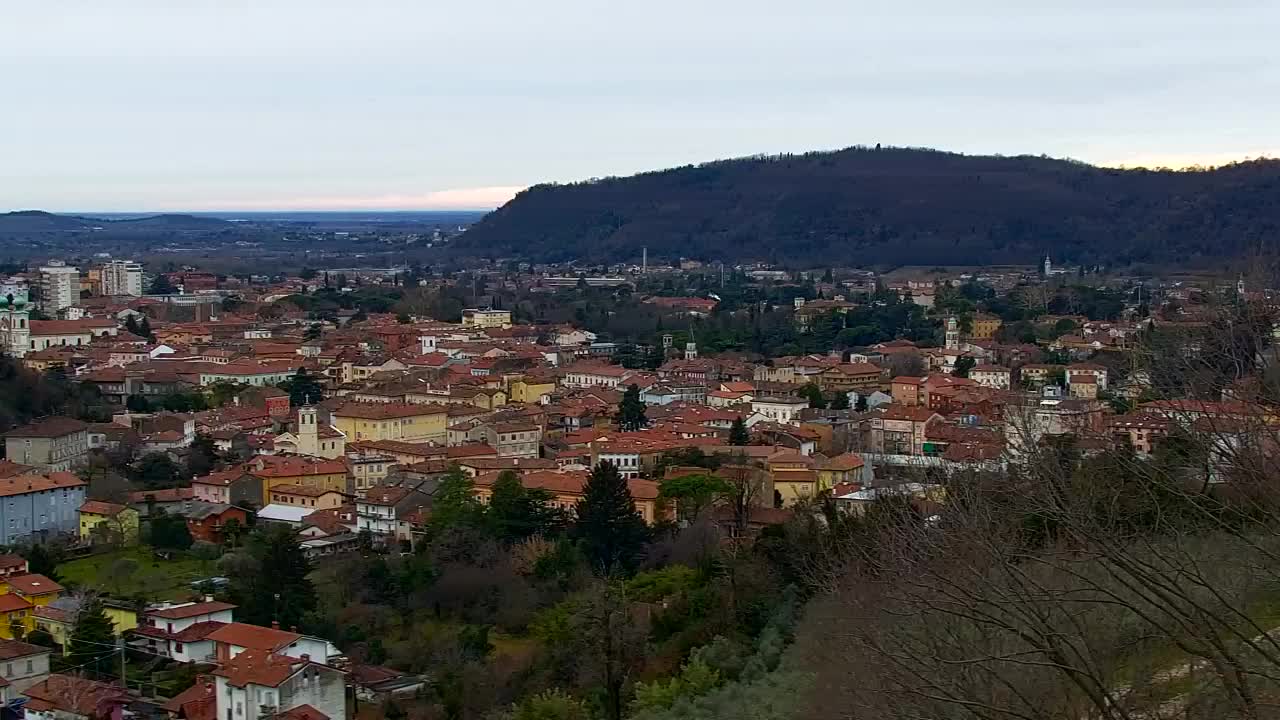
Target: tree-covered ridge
<point x="893" y="206"/>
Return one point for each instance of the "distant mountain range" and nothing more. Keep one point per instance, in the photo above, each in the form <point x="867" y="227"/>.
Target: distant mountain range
<point x="863" y="207"/>
<point x="28" y="222"/>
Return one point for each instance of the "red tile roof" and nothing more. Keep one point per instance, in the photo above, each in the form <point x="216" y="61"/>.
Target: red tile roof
<point x="259" y="667"/>
<point x="23" y="484"/>
<point x="162" y="495"/>
<point x="9" y="602"/>
<point x="100" y="507"/>
<point x="32" y="584"/>
<point x="387" y="411"/>
<point x="74" y="695"/>
<point x="290" y="466"/>
<point x="254" y="637"/>
<point x="50" y="427"/>
<point x="198" y="702"/>
<point x="189" y="611"/>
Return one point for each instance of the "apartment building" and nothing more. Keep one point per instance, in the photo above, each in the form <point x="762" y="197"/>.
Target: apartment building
<point x="121" y="277"/>
<point x="59" y="285"/>
<point x="54" y="444"/>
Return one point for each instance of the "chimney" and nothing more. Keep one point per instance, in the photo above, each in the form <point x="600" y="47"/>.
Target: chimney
<point x="293" y="628"/>
<point x="306" y="658"/>
<point x="275" y="624"/>
<point x="208" y="598"/>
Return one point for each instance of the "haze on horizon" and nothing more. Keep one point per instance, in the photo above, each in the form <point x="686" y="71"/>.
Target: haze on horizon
<point x="128" y="105"/>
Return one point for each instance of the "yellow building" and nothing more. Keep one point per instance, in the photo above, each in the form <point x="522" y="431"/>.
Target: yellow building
<point x="985" y="326"/>
<point x="530" y="390"/>
<point x="318" y="473"/>
<point x="841" y="469"/>
<point x="794" y="477"/>
<point x="20" y="597"/>
<point x="59" y="622"/>
<point x="392" y="421"/>
<point x="308" y="497"/>
<point x="486" y="318"/>
<point x="108" y="522"/>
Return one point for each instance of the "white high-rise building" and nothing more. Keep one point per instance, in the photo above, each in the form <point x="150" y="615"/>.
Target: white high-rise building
<point x="122" y="277"/>
<point x="59" y="286"/>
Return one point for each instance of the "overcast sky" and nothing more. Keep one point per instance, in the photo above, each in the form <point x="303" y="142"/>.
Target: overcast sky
<point x="317" y="104"/>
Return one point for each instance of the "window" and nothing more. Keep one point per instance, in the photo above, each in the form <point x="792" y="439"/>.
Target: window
<point x="30" y="666"/>
<point x="177" y="647"/>
<point x="8" y="670"/>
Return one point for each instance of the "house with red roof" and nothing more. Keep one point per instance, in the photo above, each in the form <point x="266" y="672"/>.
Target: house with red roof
<point x="181" y="631"/>
<point x="67" y="697"/>
<point x="261" y="683"/>
<point x="234" y="638"/>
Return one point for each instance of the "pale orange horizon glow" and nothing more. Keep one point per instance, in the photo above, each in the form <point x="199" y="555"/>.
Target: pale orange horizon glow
<point x="481" y="198"/>
<point x="1181" y="161"/>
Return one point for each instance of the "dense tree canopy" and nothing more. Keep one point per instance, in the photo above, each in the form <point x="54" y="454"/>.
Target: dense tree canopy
<point x="891" y="206"/>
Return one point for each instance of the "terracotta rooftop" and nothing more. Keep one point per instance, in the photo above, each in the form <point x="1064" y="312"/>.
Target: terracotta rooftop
<point x="253" y="637"/>
<point x="302" y="490"/>
<point x="32" y="584"/>
<point x="74" y="695"/>
<point x="162" y="495"/>
<point x="290" y="466"/>
<point x="51" y="427"/>
<point x="258" y="667"/>
<point x="10" y="649"/>
<point x="99" y="507"/>
<point x="387" y="411"/>
<point x="22" y="484"/>
<point x="192" y="610"/>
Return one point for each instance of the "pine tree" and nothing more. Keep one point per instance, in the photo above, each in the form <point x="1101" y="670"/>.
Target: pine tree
<point x="609" y="527"/>
<point x="813" y="394"/>
<point x="274" y="586"/>
<point x="516" y="512"/>
<point x="738" y="434"/>
<point x="840" y="401"/>
<point x="303" y="389"/>
<point x="631" y="411"/>
<point x="92" y="642"/>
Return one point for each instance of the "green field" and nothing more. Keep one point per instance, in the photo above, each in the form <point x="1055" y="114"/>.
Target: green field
<point x="133" y="572"/>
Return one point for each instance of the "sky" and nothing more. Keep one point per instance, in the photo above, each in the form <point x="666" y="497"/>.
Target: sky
<point x="129" y="105"/>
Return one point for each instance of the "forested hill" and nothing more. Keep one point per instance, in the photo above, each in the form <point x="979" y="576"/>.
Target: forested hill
<point x="894" y="206"/>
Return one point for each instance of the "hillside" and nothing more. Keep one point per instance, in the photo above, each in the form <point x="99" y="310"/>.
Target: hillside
<point x="893" y="206"/>
<point x="28" y="222"/>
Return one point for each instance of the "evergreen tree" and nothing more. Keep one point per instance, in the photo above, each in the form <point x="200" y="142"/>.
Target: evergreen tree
<point x="169" y="532"/>
<point x="144" y="329"/>
<point x="840" y="401"/>
<point x="202" y="456"/>
<point x="42" y="561"/>
<point x="273" y="585"/>
<point x="303" y="389"/>
<point x="631" y="411"/>
<point x="516" y="512"/>
<point x="861" y="405"/>
<point x="161" y="286"/>
<point x="92" y="642"/>
<point x="608" y="525"/>
<point x="813" y="394"/>
<point x="738" y="434"/>
<point x="137" y="403"/>
<point x="454" y="502"/>
<point x="963" y="366"/>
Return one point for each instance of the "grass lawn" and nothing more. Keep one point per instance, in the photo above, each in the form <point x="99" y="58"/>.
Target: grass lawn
<point x="130" y="572"/>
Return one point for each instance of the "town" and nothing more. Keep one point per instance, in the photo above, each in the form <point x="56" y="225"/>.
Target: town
<point x="397" y="492"/>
